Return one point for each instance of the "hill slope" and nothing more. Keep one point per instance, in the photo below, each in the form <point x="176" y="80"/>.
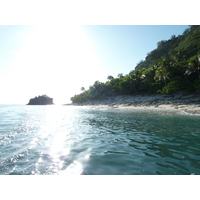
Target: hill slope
<point x="173" y="67"/>
<point x="187" y="44"/>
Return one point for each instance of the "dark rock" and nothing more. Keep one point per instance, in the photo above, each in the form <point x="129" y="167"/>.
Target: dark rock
<point x="41" y="100"/>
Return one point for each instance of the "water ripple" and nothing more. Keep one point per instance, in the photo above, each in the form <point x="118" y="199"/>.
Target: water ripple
<point x="71" y="140"/>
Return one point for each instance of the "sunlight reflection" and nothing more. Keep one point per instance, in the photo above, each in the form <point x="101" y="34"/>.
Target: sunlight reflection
<point x="58" y="151"/>
<point x="57" y="145"/>
<point x="61" y="164"/>
<point x="33" y="143"/>
<point x="44" y="134"/>
<point x="57" y="142"/>
<point x="66" y="152"/>
<point x="73" y="169"/>
<point x="87" y="156"/>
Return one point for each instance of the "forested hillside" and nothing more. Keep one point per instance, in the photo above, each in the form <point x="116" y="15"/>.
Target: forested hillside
<point x="187" y="44"/>
<point x="172" y="67"/>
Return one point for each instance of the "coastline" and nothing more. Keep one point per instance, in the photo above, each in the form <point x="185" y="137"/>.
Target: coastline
<point x="176" y="102"/>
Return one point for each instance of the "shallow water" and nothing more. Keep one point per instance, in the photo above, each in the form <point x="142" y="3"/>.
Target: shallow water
<point x="80" y="140"/>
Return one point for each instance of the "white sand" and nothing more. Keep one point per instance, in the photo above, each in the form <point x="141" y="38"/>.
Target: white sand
<point x="187" y="103"/>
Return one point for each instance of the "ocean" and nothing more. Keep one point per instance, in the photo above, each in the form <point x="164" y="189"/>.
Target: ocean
<point x="62" y="140"/>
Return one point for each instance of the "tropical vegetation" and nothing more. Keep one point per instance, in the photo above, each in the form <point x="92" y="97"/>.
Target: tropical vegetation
<point x="174" y="66"/>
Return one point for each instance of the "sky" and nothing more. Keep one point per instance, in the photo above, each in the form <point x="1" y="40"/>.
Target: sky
<point x="57" y="60"/>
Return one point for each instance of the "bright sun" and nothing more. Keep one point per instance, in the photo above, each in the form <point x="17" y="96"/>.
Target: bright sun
<point x="57" y="61"/>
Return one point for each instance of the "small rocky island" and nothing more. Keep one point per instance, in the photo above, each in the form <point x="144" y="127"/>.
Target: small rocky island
<point x="41" y="100"/>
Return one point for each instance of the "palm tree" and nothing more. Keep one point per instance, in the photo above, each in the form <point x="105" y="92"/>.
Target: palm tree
<point x="82" y="89"/>
<point x="110" y="78"/>
<point x="161" y="74"/>
<point x="148" y="78"/>
<point x="194" y="65"/>
<point x="120" y="75"/>
<point x="162" y="71"/>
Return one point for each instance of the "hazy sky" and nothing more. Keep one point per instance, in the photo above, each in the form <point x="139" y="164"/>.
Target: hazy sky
<point x="59" y="60"/>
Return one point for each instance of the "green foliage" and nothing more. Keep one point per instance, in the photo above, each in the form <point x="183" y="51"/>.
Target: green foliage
<point x="188" y="44"/>
<point x="197" y="85"/>
<point x="110" y="78"/>
<point x="162" y="71"/>
<point x="174" y="66"/>
<point x="82" y="89"/>
<point x="178" y="84"/>
<point x="172" y="87"/>
<point x="120" y="75"/>
<point x="194" y="65"/>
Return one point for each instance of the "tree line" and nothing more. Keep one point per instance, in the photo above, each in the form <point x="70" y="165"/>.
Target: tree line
<point x="173" y="67"/>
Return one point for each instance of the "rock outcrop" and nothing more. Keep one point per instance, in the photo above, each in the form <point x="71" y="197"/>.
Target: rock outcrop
<point x="41" y="100"/>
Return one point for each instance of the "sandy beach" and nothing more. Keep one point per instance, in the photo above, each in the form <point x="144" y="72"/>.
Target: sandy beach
<point x="187" y="103"/>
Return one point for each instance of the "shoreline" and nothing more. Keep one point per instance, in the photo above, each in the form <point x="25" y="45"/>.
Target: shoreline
<point x="177" y="102"/>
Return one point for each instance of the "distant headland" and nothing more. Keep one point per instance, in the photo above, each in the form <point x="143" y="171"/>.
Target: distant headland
<point x="41" y="100"/>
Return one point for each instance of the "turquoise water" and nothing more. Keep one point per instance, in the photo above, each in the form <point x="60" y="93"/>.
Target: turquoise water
<point x="79" y="140"/>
